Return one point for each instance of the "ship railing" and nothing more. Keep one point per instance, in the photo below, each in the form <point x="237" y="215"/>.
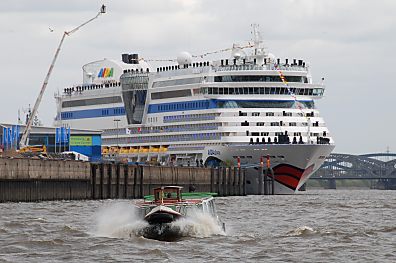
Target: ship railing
<point x="259" y="67"/>
<point x="165" y="130"/>
<point x="170" y="119"/>
<point x="79" y="88"/>
<point x="172" y="138"/>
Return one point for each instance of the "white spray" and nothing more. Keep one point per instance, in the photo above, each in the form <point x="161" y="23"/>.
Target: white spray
<point x="199" y="224"/>
<point x="121" y="220"/>
<point x="118" y="220"/>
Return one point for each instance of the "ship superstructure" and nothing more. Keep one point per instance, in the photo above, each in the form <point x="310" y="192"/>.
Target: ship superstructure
<point x="97" y="102"/>
<point x="196" y="112"/>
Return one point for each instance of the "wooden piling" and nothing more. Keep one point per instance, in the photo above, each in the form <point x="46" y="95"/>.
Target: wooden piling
<point x="126" y="172"/>
<point x="39" y="180"/>
<point x="244" y="182"/>
<point x="273" y="180"/>
<point x="211" y="180"/>
<point x="93" y="176"/>
<point x="141" y="194"/>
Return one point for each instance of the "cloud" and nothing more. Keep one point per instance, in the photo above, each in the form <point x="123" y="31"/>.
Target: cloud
<point x="349" y="42"/>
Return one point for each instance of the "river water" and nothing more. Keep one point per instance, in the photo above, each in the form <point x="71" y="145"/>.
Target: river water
<point x="314" y="226"/>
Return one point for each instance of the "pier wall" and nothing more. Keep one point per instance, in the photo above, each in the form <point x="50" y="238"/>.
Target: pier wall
<point x="30" y="180"/>
<point x="25" y="180"/>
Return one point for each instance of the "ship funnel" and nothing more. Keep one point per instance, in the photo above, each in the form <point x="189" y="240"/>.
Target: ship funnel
<point x="134" y="59"/>
<point x="125" y="58"/>
<point x="130" y="58"/>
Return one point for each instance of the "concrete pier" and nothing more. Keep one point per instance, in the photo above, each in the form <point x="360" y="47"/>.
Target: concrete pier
<point x="25" y="180"/>
<point x="30" y="180"/>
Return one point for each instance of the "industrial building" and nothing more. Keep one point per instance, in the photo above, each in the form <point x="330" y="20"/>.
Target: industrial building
<point x="86" y="142"/>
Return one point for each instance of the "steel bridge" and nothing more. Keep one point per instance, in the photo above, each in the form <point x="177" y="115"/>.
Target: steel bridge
<point x="378" y="167"/>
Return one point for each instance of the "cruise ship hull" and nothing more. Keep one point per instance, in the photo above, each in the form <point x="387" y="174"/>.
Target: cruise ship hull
<point x="292" y="164"/>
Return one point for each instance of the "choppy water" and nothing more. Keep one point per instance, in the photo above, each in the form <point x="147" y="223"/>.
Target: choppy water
<point x="316" y="226"/>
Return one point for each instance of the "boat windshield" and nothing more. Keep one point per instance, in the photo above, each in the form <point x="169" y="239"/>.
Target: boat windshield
<point x="167" y="194"/>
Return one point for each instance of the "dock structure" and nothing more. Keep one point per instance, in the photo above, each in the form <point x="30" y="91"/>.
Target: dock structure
<point x="31" y="180"/>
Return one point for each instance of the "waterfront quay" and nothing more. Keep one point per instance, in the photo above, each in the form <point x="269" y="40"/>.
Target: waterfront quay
<point x="31" y="180"/>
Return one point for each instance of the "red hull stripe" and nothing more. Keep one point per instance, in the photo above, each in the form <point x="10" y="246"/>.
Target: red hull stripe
<point x="288" y="175"/>
<point x="286" y="181"/>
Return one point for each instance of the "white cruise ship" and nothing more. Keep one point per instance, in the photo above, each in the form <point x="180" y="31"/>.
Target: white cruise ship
<point x="196" y="112"/>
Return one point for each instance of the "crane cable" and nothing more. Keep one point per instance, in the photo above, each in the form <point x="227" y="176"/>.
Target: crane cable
<point x="249" y="45"/>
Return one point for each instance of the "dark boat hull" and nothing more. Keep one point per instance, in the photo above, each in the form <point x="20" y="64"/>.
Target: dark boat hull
<point x="161" y="218"/>
<point x="163" y="232"/>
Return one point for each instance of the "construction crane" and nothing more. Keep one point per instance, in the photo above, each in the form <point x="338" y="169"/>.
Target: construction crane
<point x="25" y="135"/>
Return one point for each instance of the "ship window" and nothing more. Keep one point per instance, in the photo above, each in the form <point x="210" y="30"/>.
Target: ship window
<point x="171" y="94"/>
<point x="269" y="114"/>
<point x="265" y="134"/>
<point x="88" y="102"/>
<point x="175" y="82"/>
<point x="260" y="124"/>
<point x="264" y="104"/>
<point x="215" y="91"/>
<point x="255" y="134"/>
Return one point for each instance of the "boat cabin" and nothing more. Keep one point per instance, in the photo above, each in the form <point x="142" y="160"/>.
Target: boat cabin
<point x="167" y="194"/>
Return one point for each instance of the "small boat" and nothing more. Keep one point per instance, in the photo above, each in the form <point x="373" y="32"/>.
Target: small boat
<point x="167" y="205"/>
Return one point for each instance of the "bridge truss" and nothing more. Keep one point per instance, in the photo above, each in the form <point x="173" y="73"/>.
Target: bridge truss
<point x="366" y="166"/>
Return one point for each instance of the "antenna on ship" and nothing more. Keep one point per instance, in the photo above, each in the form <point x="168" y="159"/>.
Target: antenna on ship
<point x="259" y="50"/>
<point x="25" y="135"/>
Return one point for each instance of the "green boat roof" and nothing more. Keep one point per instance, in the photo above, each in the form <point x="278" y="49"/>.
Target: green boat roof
<point x="193" y="195"/>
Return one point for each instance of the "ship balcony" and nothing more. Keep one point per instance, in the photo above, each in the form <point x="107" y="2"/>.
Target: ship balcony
<point x="280" y="139"/>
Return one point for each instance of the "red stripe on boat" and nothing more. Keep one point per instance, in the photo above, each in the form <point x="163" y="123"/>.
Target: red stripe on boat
<point x="286" y="180"/>
<point x="288" y="175"/>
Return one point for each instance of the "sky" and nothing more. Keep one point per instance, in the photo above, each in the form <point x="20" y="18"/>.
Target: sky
<point x="351" y="43"/>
